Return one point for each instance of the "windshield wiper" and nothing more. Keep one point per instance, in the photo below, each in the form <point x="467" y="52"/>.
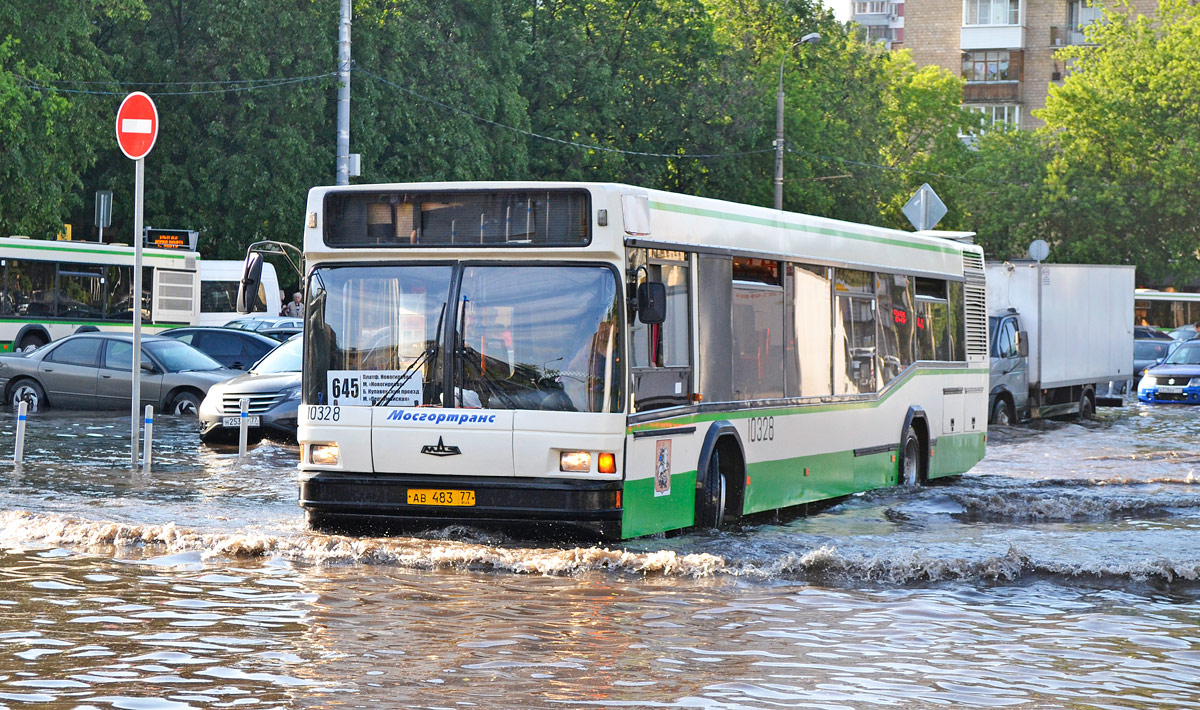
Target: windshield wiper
<point x="404" y="377"/>
<point x="463" y="362"/>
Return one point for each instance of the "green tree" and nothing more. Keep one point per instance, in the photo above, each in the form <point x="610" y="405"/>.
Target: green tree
<point x="233" y="158"/>
<point x="925" y="119"/>
<point x="47" y="136"/>
<point x="1125" y="127"/>
<point x="1005" y="198"/>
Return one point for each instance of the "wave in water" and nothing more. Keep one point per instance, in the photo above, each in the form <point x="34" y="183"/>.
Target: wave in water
<point x="827" y="564"/>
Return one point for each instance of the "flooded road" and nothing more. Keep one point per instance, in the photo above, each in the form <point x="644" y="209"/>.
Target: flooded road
<point x="1064" y="571"/>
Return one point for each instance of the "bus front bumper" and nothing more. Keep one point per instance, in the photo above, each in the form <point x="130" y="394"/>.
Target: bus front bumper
<point x="378" y="502"/>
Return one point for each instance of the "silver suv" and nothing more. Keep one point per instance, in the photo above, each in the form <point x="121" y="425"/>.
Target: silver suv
<point x="272" y="387"/>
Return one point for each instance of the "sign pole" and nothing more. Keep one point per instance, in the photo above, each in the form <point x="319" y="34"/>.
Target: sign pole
<point x="137" y="130"/>
<point x="139" y="183"/>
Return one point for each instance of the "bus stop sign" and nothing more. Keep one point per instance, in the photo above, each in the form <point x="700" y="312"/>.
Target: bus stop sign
<point x="137" y="125"/>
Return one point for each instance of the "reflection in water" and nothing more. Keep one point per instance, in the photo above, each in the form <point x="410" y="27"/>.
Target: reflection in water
<point x="1063" y="572"/>
<point x="95" y="630"/>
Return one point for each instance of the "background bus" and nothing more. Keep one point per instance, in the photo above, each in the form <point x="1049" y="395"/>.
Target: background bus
<point x="1165" y="309"/>
<point x="219" y="289"/>
<point x="621" y="360"/>
<point x="50" y="289"/>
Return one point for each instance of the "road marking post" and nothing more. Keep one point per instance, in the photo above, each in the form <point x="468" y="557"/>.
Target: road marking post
<point x="243" y="425"/>
<point x="148" y="438"/>
<point x="19" y="449"/>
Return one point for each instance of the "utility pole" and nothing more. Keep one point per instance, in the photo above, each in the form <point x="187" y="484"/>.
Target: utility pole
<point x="343" y="107"/>
<point x="811" y="38"/>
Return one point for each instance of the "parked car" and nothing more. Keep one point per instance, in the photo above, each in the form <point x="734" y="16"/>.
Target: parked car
<point x="282" y="332"/>
<point x="261" y="322"/>
<point x="1177" y="379"/>
<point x="92" y="371"/>
<point x="272" y="387"/>
<point x="1148" y="352"/>
<point x="233" y="348"/>
<point x="1149" y="331"/>
<point x="277" y="327"/>
<point x="1183" y="332"/>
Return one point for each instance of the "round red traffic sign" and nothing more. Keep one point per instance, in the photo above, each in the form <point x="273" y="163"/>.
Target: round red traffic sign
<point x="137" y="125"/>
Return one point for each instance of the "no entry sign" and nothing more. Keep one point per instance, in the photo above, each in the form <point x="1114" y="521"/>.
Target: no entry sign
<point x="137" y="125"/>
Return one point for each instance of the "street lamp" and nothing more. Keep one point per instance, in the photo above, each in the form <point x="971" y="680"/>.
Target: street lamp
<point x="810" y="38"/>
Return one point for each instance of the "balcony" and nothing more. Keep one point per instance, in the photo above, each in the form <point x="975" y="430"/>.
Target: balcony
<point x="1063" y="36"/>
<point x="990" y="92"/>
<point x="992" y="37"/>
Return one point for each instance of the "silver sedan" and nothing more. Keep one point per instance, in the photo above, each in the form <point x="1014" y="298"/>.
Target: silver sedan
<point x="92" y="371"/>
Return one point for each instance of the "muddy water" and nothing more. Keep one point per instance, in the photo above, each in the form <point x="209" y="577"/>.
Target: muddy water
<point x="1063" y="572"/>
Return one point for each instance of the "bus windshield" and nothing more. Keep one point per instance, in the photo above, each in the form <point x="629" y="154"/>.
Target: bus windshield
<point x="524" y="337"/>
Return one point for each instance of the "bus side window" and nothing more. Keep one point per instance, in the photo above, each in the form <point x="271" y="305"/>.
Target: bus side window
<point x="662" y="351"/>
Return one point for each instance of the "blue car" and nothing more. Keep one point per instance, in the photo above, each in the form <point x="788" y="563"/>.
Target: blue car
<point x="1176" y="379"/>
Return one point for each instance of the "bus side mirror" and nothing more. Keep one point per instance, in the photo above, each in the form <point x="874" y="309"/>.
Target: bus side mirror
<point x="248" y="286"/>
<point x="652" y="302"/>
<point x="1023" y="343"/>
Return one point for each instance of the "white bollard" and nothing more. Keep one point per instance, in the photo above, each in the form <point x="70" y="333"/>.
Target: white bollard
<point x="147" y="438"/>
<point x="19" y="449"/>
<point x="243" y="434"/>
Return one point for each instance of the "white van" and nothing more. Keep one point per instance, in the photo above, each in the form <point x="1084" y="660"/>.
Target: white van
<point x="219" y="289"/>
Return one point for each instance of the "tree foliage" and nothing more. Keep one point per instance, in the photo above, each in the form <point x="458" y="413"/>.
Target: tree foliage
<point x="45" y="136"/>
<point x="1125" y="126"/>
<point x="671" y="94"/>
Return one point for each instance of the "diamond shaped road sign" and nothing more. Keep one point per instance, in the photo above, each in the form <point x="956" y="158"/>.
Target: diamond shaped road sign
<point x="925" y="208"/>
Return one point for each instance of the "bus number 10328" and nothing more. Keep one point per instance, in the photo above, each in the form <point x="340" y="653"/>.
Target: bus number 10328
<point x="762" y="428"/>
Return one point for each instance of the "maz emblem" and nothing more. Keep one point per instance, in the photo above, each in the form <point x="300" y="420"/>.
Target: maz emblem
<point x="441" y="449"/>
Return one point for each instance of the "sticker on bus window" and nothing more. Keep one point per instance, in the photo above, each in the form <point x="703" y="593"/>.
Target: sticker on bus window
<point x="662" y="469"/>
<point x="366" y="387"/>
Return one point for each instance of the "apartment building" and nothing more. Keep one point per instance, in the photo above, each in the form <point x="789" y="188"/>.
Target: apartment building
<point x="1003" y="49"/>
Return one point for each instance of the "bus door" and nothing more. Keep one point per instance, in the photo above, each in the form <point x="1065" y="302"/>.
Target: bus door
<point x="660" y="476"/>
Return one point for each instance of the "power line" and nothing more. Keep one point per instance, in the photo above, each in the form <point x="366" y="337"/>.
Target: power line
<point x="243" y="85"/>
<point x="552" y="139"/>
<point x="892" y="168"/>
<point x="227" y="89"/>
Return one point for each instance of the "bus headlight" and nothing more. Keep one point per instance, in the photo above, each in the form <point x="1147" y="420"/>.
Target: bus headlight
<point x="323" y="454"/>
<point x="575" y="461"/>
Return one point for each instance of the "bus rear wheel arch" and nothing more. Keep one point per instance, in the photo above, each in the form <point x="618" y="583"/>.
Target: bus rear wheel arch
<point x="912" y="466"/>
<point x="30" y="338"/>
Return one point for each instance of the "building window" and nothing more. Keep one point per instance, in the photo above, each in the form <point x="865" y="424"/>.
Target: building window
<point x="987" y="66"/>
<point x="1080" y="14"/>
<point x="997" y="116"/>
<point x="992" y="12"/>
<point x="873" y="7"/>
<point x="879" y="33"/>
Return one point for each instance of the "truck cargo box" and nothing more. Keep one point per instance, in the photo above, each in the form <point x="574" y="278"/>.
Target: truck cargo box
<point x="1079" y="319"/>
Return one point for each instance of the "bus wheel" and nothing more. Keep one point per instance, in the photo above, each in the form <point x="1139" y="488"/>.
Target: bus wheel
<point x="29" y="392"/>
<point x="710" y="497"/>
<point x="30" y="342"/>
<point x="184" y="404"/>
<point x="910" y="459"/>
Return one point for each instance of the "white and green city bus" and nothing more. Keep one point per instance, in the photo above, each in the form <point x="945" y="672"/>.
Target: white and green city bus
<point x="623" y="360"/>
<point x="50" y="289"/>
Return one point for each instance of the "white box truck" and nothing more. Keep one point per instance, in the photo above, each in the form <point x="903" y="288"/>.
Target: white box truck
<point x="219" y="288"/>
<point x="1061" y="338"/>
